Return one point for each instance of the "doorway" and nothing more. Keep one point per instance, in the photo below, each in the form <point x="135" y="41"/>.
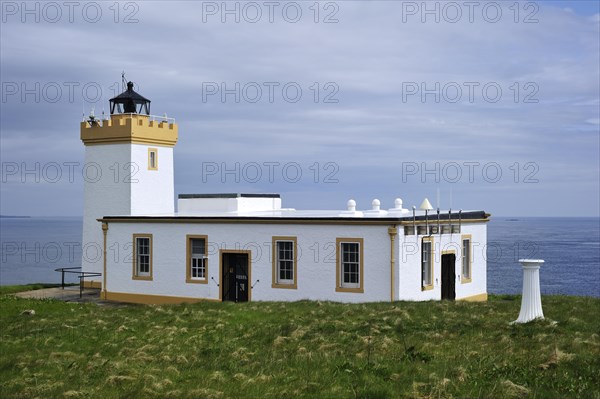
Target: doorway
<point x="235" y="276"/>
<point x="449" y="276"/>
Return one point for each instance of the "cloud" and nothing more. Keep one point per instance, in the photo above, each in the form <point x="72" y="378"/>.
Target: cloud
<point x="379" y="88"/>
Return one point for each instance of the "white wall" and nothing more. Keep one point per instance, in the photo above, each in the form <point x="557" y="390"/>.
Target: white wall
<point x="152" y="191"/>
<point x="118" y="182"/>
<point x="104" y="192"/>
<point x="316" y="260"/>
<point x="478" y="285"/>
<point x="239" y="204"/>
<point x="409" y="279"/>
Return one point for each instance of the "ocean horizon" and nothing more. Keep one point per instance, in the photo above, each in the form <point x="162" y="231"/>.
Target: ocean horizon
<point x="33" y="247"/>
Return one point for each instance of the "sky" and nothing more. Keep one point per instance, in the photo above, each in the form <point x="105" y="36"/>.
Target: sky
<point x="480" y="105"/>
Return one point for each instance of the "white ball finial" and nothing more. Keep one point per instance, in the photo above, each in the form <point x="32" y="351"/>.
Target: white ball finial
<point x="376" y="204"/>
<point x="351" y="205"/>
<point x="398" y="203"/>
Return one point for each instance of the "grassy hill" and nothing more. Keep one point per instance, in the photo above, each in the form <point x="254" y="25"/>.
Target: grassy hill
<point x="301" y="349"/>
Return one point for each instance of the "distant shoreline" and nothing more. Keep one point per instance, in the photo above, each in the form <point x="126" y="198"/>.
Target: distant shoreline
<point x="14" y="217"/>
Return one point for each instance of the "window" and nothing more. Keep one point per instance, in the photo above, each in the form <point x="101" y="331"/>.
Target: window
<point x="467" y="259"/>
<point x="142" y="256"/>
<point x="427" y="263"/>
<point x="152" y="158"/>
<point x="197" y="259"/>
<point x="349" y="254"/>
<point x="284" y="262"/>
<point x="350" y="264"/>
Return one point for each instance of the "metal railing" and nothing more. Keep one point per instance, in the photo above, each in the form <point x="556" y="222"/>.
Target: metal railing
<point x="156" y="118"/>
<point x="433" y="229"/>
<point x="81" y="275"/>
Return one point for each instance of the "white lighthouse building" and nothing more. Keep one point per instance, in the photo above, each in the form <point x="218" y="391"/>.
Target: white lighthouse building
<point x="243" y="247"/>
<point x="129" y="169"/>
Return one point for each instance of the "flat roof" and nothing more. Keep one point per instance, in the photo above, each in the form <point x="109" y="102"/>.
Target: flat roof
<point x="292" y="215"/>
<point x="228" y="195"/>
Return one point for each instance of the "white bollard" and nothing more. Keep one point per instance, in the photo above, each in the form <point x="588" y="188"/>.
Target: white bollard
<point x="531" y="303"/>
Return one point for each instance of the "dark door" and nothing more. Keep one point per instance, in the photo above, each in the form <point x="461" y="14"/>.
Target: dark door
<point x="235" y="277"/>
<point x="448" y="276"/>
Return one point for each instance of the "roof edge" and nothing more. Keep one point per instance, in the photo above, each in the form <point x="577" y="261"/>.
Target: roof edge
<point x="228" y="195"/>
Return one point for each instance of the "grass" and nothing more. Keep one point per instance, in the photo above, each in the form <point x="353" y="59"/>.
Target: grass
<point x="13" y="289"/>
<point x="300" y="349"/>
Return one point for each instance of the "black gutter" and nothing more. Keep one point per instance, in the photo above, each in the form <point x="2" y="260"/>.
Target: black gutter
<point x="464" y="216"/>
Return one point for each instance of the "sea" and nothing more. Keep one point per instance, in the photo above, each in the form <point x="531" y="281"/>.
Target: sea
<point x="32" y="248"/>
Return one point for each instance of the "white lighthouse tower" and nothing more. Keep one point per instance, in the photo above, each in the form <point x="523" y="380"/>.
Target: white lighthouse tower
<point x="128" y="171"/>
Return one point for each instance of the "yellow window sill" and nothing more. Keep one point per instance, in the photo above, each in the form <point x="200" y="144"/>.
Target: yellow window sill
<point x="143" y="278"/>
<point x="286" y="286"/>
<point x="196" y="281"/>
<point x="353" y="290"/>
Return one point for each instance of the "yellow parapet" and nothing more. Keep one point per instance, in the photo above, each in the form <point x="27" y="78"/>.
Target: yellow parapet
<point x="129" y="128"/>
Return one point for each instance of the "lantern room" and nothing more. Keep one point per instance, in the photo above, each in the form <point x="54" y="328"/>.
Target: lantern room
<point x="129" y="102"/>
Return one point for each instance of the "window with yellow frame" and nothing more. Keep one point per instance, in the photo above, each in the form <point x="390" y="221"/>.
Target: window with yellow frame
<point x="427" y="263"/>
<point x="196" y="259"/>
<point x="142" y="257"/>
<point x="285" y="262"/>
<point x="467" y="259"/>
<point x="350" y="268"/>
<point x="152" y="158"/>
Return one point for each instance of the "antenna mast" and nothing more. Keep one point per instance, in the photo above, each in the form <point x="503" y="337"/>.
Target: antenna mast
<point x="123" y="82"/>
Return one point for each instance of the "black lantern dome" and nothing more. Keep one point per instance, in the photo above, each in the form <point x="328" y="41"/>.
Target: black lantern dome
<point x="129" y="102"/>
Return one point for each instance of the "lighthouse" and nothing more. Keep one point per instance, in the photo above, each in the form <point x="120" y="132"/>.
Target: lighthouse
<point x="216" y="246"/>
<point x="128" y="171"/>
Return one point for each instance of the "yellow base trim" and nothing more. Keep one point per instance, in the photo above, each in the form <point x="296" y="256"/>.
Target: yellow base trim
<point x="153" y="299"/>
<point x="92" y="284"/>
<point x="475" y="298"/>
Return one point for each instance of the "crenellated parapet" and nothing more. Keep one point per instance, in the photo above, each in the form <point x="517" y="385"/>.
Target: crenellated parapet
<point x="129" y="128"/>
